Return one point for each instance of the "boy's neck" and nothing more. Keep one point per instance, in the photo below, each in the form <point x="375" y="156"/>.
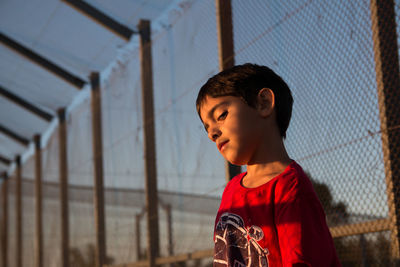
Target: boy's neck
<point x="268" y="167"/>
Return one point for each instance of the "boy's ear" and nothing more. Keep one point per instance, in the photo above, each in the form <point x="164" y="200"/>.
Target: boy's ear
<point x="265" y="102"/>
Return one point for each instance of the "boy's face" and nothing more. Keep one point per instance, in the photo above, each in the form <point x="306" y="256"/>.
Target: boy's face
<point x="235" y="127"/>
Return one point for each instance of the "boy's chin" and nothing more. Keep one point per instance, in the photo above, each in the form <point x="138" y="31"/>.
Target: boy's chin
<point x="234" y="158"/>
<point x="236" y="162"/>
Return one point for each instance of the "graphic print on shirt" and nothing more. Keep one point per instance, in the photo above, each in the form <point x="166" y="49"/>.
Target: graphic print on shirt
<point x="237" y="246"/>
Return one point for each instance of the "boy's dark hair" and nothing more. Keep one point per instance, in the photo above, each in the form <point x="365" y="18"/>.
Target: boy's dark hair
<point x="245" y="81"/>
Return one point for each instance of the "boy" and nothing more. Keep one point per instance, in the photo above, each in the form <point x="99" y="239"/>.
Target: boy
<point x="269" y="215"/>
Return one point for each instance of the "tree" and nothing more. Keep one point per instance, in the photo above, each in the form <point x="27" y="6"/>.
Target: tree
<point x="336" y="212"/>
<point x="355" y="250"/>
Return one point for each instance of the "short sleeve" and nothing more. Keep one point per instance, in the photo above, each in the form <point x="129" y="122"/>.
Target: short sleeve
<point x="303" y="235"/>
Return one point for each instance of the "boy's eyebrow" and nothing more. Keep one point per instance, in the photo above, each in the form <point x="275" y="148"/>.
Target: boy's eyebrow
<point x="210" y="113"/>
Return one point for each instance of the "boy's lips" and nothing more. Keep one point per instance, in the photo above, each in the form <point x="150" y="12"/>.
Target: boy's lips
<point x="222" y="144"/>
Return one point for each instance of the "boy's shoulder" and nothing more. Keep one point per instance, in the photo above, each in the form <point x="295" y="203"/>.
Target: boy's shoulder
<point x="294" y="182"/>
<point x="293" y="172"/>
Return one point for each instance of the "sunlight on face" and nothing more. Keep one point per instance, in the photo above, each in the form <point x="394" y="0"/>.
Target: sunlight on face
<point x="233" y="126"/>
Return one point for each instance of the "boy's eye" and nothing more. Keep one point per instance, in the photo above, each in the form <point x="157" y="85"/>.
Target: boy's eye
<point x="223" y="115"/>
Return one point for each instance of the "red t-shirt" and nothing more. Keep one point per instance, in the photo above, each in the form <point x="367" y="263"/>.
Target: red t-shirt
<point x="280" y="223"/>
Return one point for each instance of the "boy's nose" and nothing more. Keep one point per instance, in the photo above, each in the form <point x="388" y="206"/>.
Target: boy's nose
<point x="213" y="134"/>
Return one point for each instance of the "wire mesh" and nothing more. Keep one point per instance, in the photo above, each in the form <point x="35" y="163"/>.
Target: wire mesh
<point x="361" y="250"/>
<point x="388" y="86"/>
<point x="185" y="54"/>
<point x="80" y="173"/>
<point x="51" y="203"/>
<point x="28" y="223"/>
<point x="175" y="84"/>
<point x="122" y="136"/>
<point x="325" y="52"/>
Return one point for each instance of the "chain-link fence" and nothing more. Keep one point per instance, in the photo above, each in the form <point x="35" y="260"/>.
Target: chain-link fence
<point x="340" y="61"/>
<point x="325" y="51"/>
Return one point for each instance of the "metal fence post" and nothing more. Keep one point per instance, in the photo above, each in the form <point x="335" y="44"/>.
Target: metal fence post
<point x="98" y="170"/>
<point x="18" y="207"/>
<point x="149" y="142"/>
<point x="63" y="166"/>
<point x="388" y="86"/>
<point x="226" y="56"/>
<point x="137" y="235"/>
<point x="38" y="207"/>
<point x="4" y="233"/>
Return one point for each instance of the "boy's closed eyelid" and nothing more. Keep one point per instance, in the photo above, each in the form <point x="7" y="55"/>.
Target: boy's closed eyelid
<point x="222" y="115"/>
<point x="213" y="111"/>
<point x="218" y="107"/>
